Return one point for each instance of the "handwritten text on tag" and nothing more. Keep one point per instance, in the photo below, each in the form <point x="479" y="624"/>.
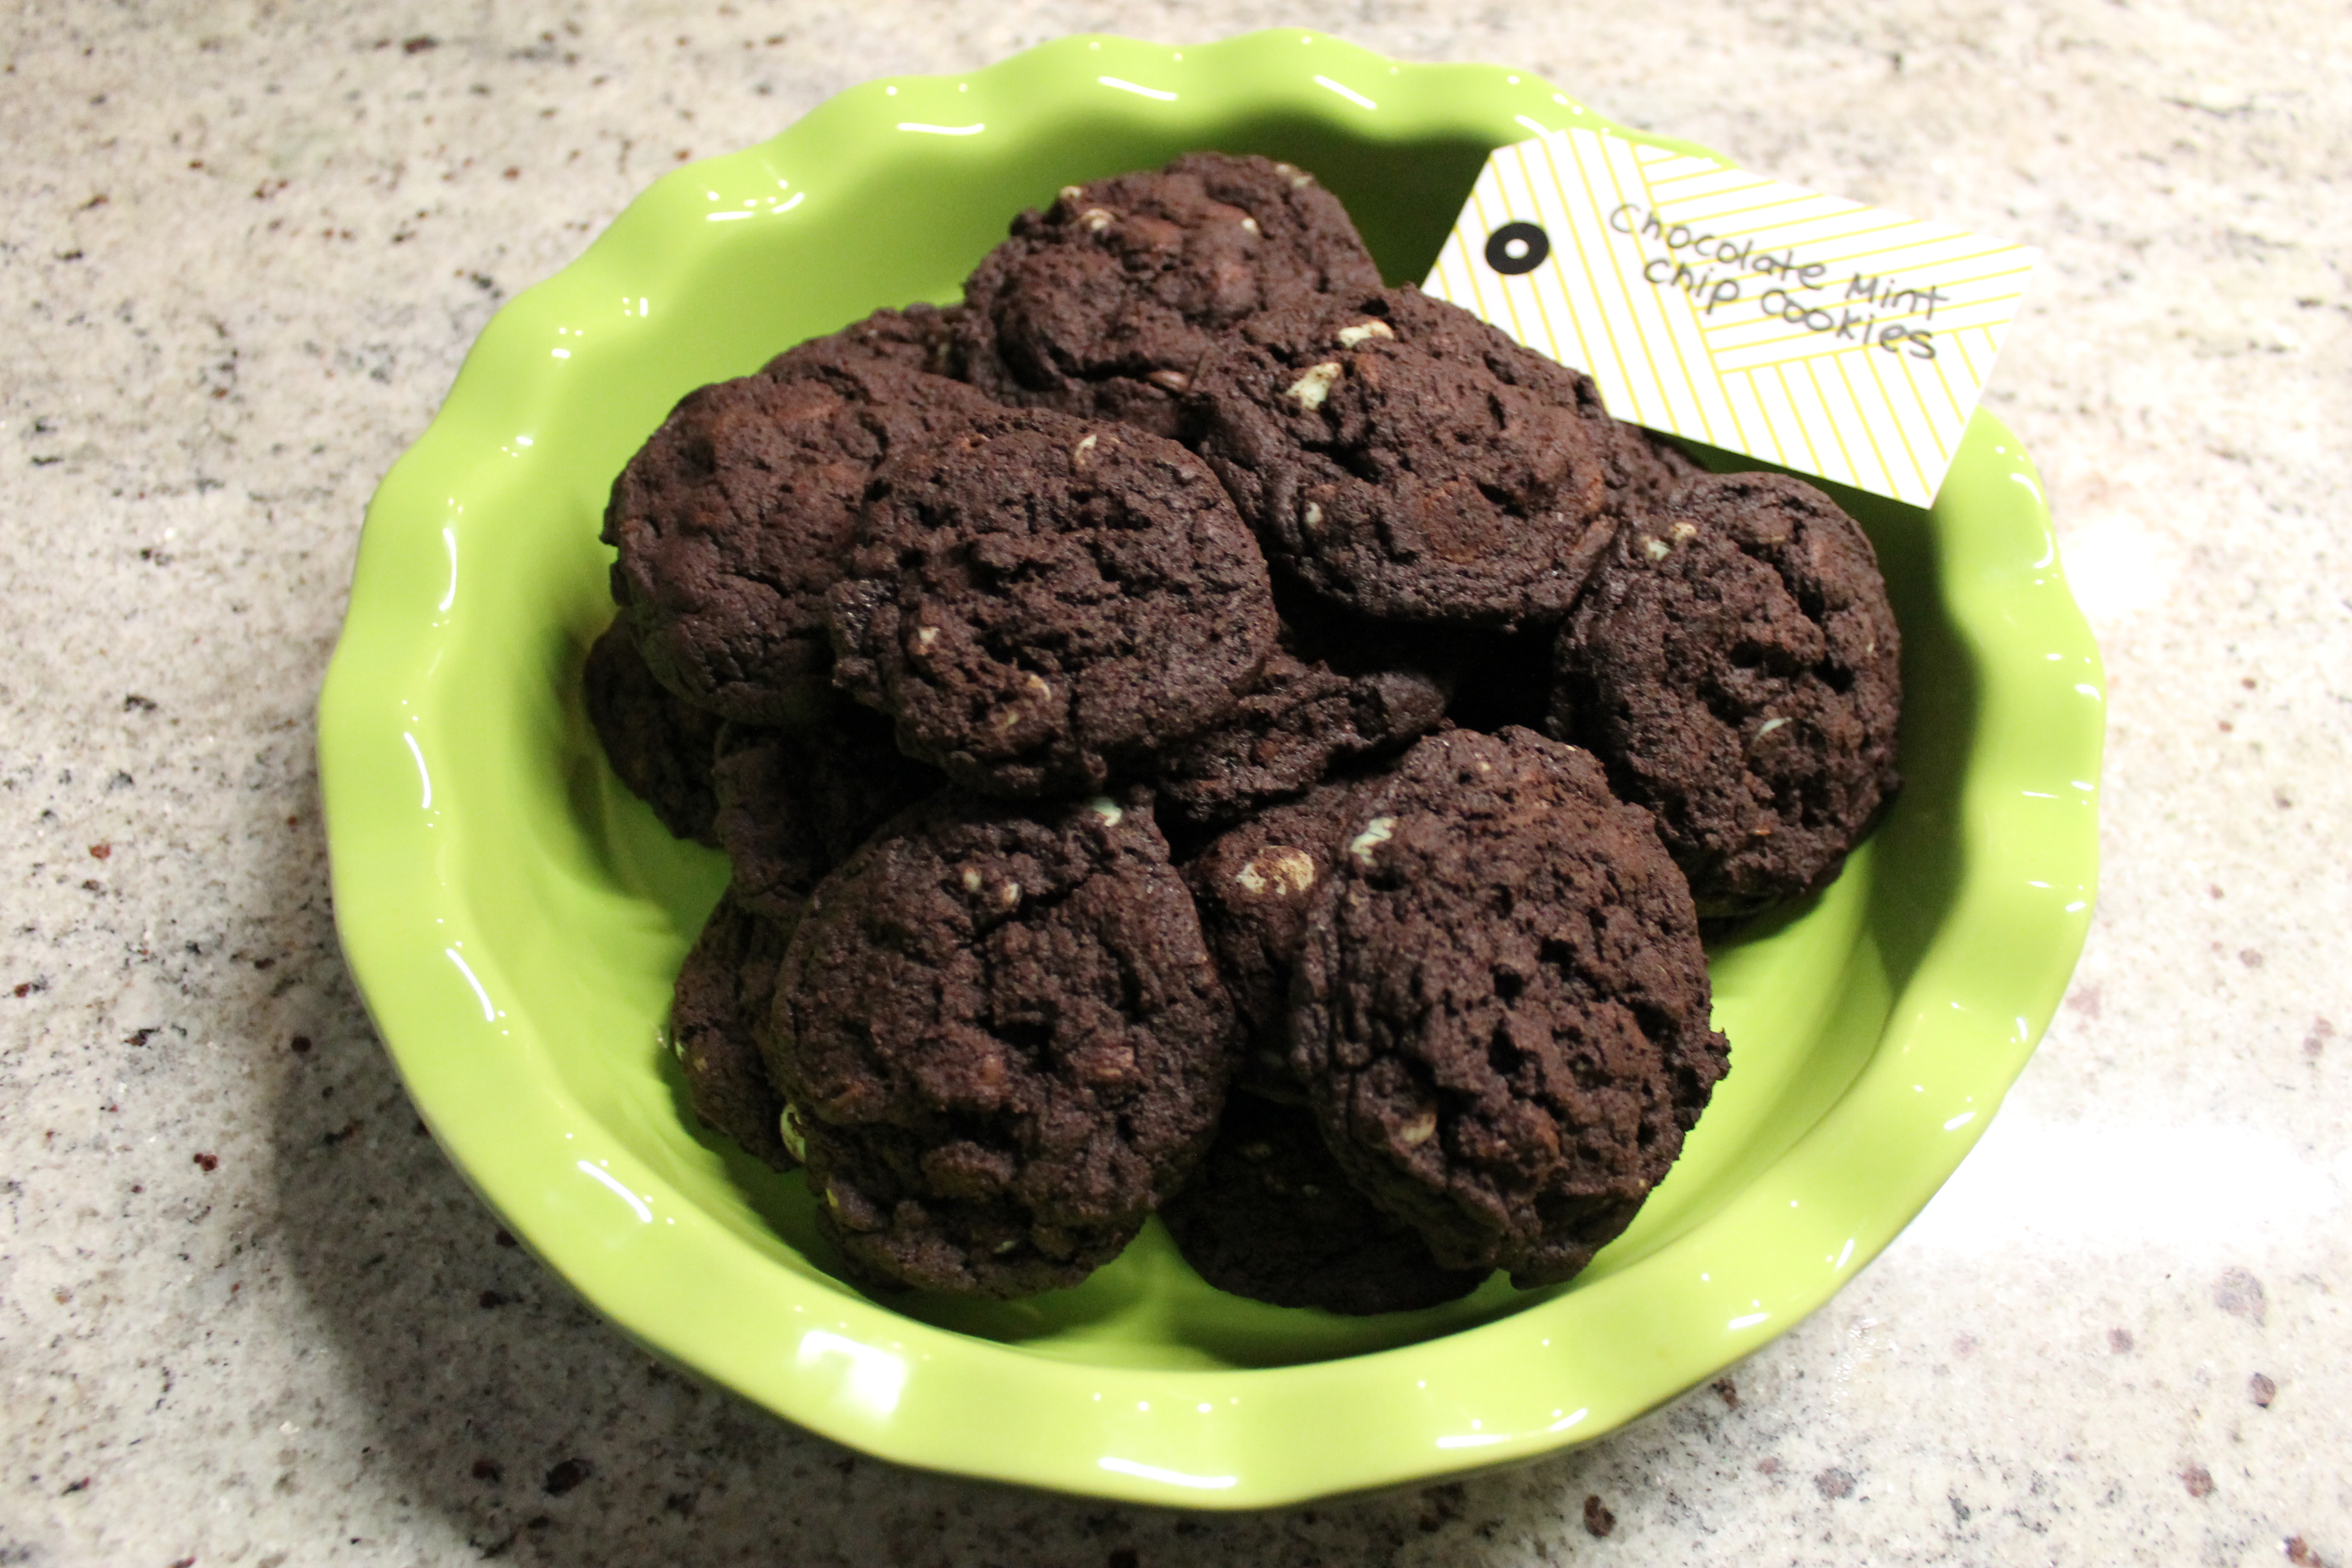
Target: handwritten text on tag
<point x="1825" y="335"/>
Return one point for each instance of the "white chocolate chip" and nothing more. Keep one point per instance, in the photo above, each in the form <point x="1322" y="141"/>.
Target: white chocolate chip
<point x="795" y="1136"/>
<point x="1078" y="453"/>
<point x="1350" y="336"/>
<point x="925" y="637"/>
<point x="1108" y="810"/>
<point x="1072" y="193"/>
<point x="1657" y="549"/>
<point x="972" y="879"/>
<point x="1314" y="518"/>
<point x="1375" y="833"/>
<point x="1006" y="1245"/>
<point x="1009" y="895"/>
<point x="1277" y="866"/>
<point x="1418" y="1130"/>
<point x="1249" y="223"/>
<point x="1097" y="220"/>
<point x="1767" y="727"/>
<point x="1034" y="689"/>
<point x="1312" y="387"/>
<point x="1683" y="530"/>
<point x="1299" y="180"/>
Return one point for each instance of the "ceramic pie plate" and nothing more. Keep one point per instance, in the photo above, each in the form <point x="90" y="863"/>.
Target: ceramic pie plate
<point x="514" y="918"/>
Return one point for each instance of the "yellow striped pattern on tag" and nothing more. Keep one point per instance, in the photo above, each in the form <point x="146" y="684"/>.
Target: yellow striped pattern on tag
<point x="1831" y="337"/>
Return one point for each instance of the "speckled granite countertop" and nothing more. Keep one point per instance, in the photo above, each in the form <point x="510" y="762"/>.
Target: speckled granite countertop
<point x="249" y="1315"/>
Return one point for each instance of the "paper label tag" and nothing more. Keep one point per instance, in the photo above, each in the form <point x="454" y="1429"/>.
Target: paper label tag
<point x="1827" y="336"/>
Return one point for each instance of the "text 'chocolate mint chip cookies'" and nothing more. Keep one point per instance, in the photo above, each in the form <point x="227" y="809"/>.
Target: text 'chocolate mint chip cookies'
<point x="1413" y="463"/>
<point x="1735" y="664"/>
<point x="1103" y="303"/>
<point x="1500" y="1008"/>
<point x="1001" y="1041"/>
<point x="1042" y="602"/>
<point x="732" y="520"/>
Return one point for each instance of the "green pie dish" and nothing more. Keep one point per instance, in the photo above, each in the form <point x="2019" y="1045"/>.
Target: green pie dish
<point x="515" y="918"/>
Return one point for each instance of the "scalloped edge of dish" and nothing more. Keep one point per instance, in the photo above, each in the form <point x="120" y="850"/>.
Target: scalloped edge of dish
<point x="852" y="1370"/>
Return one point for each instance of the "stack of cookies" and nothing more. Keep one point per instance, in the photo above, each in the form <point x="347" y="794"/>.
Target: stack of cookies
<point x="1197" y="732"/>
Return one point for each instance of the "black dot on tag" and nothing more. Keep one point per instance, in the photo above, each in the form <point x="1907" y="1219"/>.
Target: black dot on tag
<point x="1518" y="248"/>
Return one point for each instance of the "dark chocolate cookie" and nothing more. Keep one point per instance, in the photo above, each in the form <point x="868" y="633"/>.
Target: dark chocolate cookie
<point x="1650" y="469"/>
<point x="1041" y="602"/>
<point x="1001" y="1038"/>
<point x="1253" y="886"/>
<point x="1271" y="1216"/>
<point x="1297" y="722"/>
<point x="1500" y="1008"/>
<point x="1102" y="304"/>
<point x="724" y="994"/>
<point x="919" y="338"/>
<point x="1508" y="678"/>
<point x="792" y="803"/>
<point x="660" y="746"/>
<point x="1411" y="461"/>
<point x="732" y="520"/>
<point x="1734" y="665"/>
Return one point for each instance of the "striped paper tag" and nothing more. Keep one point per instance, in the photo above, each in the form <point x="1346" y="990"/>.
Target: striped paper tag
<point x="1827" y="336"/>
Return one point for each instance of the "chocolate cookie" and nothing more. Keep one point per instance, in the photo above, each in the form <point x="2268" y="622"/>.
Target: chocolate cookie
<point x="732" y="520"/>
<point x="1041" y="602"/>
<point x="919" y="338"/>
<point x="1102" y="304"/>
<point x="1411" y="462"/>
<point x="792" y="803"/>
<point x="1650" y="469"/>
<point x="660" y="746"/>
<point x="1271" y="1216"/>
<point x="1296" y="722"/>
<point x="1002" y="1039"/>
<point x="1253" y="886"/>
<point x="1735" y="666"/>
<point x="724" y="992"/>
<point x="1500" y="1008"/>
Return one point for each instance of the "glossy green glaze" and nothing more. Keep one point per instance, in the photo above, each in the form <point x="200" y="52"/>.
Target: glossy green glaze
<point x="514" y="918"/>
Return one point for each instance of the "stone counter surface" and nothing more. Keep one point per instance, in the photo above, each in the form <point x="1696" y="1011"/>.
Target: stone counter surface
<point x="249" y="1313"/>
